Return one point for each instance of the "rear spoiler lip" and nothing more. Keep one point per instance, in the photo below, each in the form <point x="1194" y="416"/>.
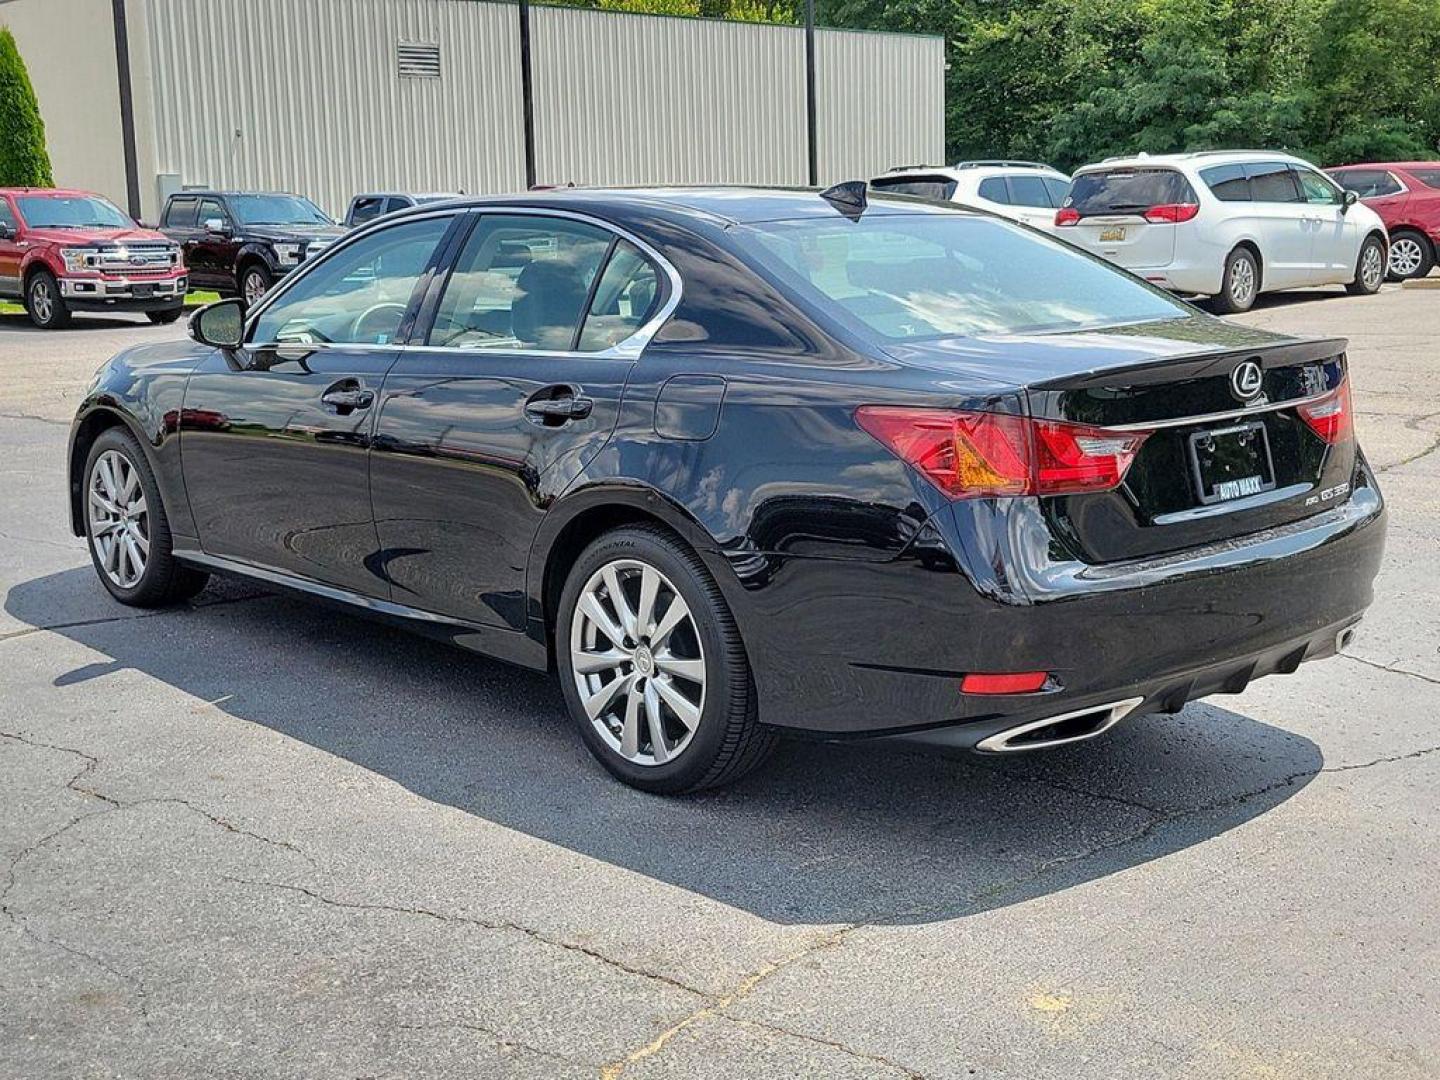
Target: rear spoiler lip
<point x="1279" y="354"/>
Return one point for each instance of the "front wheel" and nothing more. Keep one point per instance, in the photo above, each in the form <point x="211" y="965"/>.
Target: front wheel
<point x="653" y="668"/>
<point x="165" y="316"/>
<point x="125" y="524"/>
<point x="44" y="303"/>
<point x="1240" y="284"/>
<point x="1411" y="255"/>
<point x="1369" y="268"/>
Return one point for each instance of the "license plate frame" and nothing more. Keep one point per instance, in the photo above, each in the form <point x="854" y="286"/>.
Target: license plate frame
<point x="1220" y="458"/>
<point x="143" y="292"/>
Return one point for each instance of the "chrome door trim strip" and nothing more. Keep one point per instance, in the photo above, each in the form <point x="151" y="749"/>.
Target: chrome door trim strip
<point x="629" y="349"/>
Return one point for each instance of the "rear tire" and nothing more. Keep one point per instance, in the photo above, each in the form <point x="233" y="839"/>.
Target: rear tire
<point x="165" y="316"/>
<point x="255" y="282"/>
<point x="44" y="303"/>
<point x="698" y="663"/>
<point x="1240" y="284"/>
<point x="1369" y="268"/>
<point x="1411" y="255"/>
<point x="126" y="527"/>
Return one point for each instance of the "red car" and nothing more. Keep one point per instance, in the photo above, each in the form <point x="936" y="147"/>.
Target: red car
<point x="1406" y="195"/>
<point x="64" y="251"/>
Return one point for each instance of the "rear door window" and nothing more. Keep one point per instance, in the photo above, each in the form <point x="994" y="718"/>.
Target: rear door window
<point x="1028" y="191"/>
<point x="1228" y="183"/>
<point x="940" y="188"/>
<point x="1273" y="182"/>
<point x="1127" y="191"/>
<point x="180" y="213"/>
<point x="522" y="283"/>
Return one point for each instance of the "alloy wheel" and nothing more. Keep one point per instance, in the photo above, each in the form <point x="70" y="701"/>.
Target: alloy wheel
<point x="1406" y="257"/>
<point x="254" y="288"/>
<point x="42" y="300"/>
<point x="1242" y="282"/>
<point x="638" y="663"/>
<point x="119" y="520"/>
<point x="1372" y="267"/>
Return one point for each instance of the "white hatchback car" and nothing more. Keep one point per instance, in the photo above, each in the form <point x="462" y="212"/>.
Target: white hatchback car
<point x="1023" y="191"/>
<point x="1229" y="224"/>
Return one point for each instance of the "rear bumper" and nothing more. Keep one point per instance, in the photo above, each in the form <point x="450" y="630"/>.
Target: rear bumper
<point x="885" y="645"/>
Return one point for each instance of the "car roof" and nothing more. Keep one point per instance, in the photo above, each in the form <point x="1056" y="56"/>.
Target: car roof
<point x="717" y="205"/>
<point x="1197" y="158"/>
<point x="1403" y="165"/>
<point x="971" y="168"/>
<point x="56" y="193"/>
<point x="204" y="193"/>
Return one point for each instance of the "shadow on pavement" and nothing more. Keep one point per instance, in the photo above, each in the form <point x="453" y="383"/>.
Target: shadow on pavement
<point x="825" y="833"/>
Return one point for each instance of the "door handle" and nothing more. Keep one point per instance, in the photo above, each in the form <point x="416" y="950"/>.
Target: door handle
<point x="345" y="398"/>
<point x="559" y="410"/>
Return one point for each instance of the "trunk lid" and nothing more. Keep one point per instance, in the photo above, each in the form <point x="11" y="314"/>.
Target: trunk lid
<point x="1258" y="463"/>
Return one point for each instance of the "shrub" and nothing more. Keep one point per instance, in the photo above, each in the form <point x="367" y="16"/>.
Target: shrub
<point x="23" y="160"/>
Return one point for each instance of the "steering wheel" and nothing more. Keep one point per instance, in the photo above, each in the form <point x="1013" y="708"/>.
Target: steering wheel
<point x="379" y="319"/>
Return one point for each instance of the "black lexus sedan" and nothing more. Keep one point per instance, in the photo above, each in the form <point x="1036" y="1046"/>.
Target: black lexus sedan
<point x="737" y="463"/>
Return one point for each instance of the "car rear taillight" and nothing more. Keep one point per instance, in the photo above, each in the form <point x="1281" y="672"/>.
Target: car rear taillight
<point x="1067" y="215"/>
<point x="1330" y="417"/>
<point x="1170" y="213"/>
<point x="971" y="455"/>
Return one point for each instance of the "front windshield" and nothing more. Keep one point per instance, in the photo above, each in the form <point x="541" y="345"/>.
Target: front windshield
<point x="276" y="210"/>
<point x="926" y="276"/>
<point x="72" y="212"/>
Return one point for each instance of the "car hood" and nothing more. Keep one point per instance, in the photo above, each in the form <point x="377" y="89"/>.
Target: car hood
<point x="293" y="232"/>
<point x="76" y="237"/>
<point x="1019" y="360"/>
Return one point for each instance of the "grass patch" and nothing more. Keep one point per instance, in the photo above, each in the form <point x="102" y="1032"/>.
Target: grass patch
<point x="192" y="300"/>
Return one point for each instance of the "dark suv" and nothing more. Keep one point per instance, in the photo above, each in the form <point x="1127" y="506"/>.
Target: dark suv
<point x="239" y="242"/>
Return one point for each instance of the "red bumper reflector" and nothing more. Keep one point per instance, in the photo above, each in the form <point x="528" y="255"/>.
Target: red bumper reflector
<point x="1014" y="682"/>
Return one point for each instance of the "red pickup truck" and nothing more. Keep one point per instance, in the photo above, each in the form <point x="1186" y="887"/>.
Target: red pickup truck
<point x="63" y="251"/>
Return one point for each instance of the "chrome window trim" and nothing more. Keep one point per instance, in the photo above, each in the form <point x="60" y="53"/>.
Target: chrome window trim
<point x="1229" y="414"/>
<point x="629" y="349"/>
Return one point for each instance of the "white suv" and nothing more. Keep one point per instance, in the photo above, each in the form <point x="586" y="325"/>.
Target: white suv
<point x="1020" y="190"/>
<point x="1228" y="224"/>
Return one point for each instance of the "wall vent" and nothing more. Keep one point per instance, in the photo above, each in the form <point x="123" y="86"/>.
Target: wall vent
<point x="418" y="59"/>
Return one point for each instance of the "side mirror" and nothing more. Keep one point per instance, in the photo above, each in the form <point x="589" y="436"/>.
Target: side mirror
<point x="217" y="226"/>
<point x="1348" y="200"/>
<point x="220" y="325"/>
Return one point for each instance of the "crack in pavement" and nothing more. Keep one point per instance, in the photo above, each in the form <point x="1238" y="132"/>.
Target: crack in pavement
<point x="876" y="1059"/>
<point x="471" y="920"/>
<point x="34" y="417"/>
<point x="111" y="806"/>
<point x="1391" y="668"/>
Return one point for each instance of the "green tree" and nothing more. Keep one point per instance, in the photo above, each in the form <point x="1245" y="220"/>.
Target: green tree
<point x="23" y="160"/>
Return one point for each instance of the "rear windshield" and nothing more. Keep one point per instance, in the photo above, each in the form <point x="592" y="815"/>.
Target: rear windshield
<point x="926" y="276"/>
<point x="1127" y="191"/>
<point x="926" y="187"/>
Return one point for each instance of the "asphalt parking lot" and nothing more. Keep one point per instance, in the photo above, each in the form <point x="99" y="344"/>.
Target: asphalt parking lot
<point x="252" y="838"/>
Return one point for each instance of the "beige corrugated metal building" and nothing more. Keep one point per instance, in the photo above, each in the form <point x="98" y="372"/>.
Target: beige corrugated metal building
<point x="332" y="97"/>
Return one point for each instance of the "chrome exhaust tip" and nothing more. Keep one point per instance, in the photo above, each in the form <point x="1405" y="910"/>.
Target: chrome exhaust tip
<point x="1058" y="730"/>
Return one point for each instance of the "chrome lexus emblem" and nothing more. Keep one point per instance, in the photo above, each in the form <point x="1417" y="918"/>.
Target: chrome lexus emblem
<point x="1245" y="380"/>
